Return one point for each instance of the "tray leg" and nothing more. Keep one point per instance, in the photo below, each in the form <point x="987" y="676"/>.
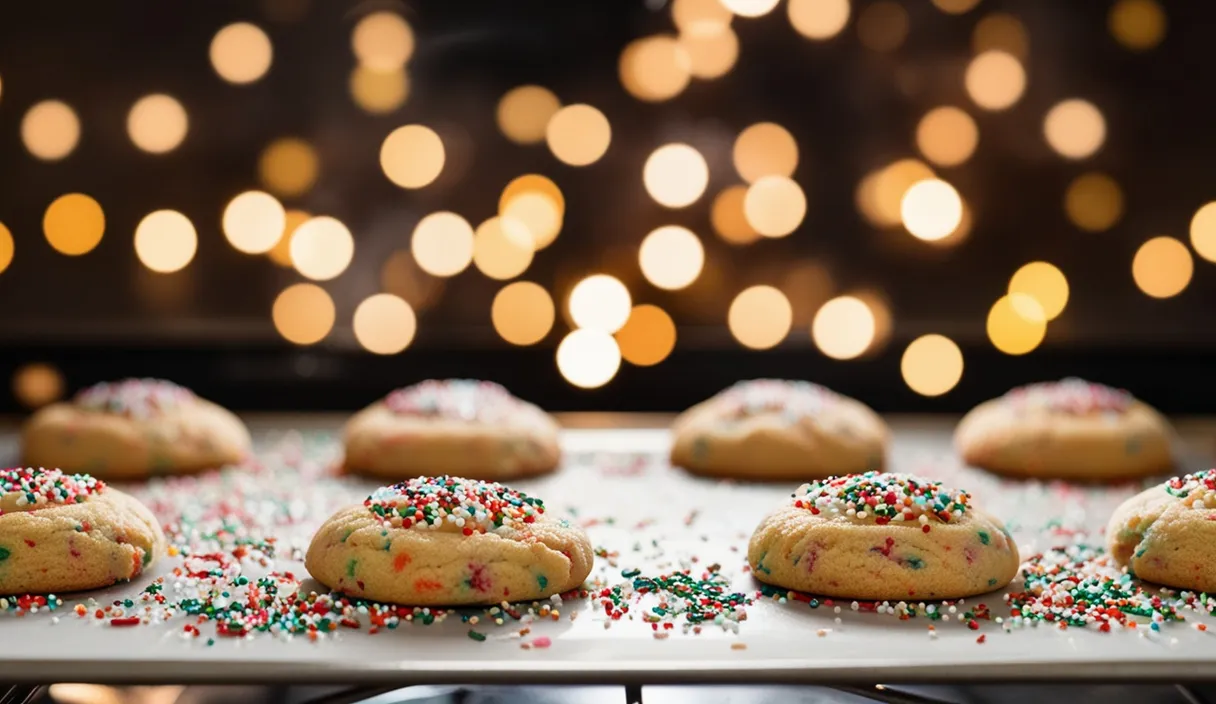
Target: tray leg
<point x="1189" y="695"/>
<point x="633" y="694"/>
<point x="19" y="694"/>
<point x="880" y="693"/>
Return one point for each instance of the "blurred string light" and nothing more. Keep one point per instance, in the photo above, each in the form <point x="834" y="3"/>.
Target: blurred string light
<point x="537" y="203"/>
<point x="765" y="149"/>
<point x="412" y="156"/>
<point x="728" y="219"/>
<point x="588" y="358"/>
<point x="600" y="302"/>
<point x="880" y="308"/>
<point x="818" y="19"/>
<point x="523" y="313"/>
<point x="774" y="206"/>
<point x="1046" y="284"/>
<point x="843" y="328"/>
<point x="524" y="113"/>
<point x="37" y="384"/>
<point x="281" y="252"/>
<point x="50" y="130"/>
<point x="1203" y="233"/>
<point x="254" y="222"/>
<point x="1001" y="32"/>
<point x="1138" y="25"/>
<point x="995" y="80"/>
<point x="1162" y="267"/>
<point x="379" y="92"/>
<point x="882" y="26"/>
<point x="947" y="136"/>
<point x="750" y="8"/>
<point x="760" y="317"/>
<point x="7" y="248"/>
<point x="73" y="224"/>
<point x="710" y="55"/>
<point x="932" y="365"/>
<point x="1075" y="128"/>
<point x="931" y="209"/>
<point x="700" y="17"/>
<point x="382" y="41"/>
<point x="241" y="53"/>
<point x="442" y="244"/>
<point x="157" y="123"/>
<point x="384" y="324"/>
<point x="578" y="135"/>
<point x="1016" y="324"/>
<point x="165" y="241"/>
<point x="671" y="257"/>
<point x="880" y="194"/>
<point x="322" y="248"/>
<point x="1093" y="202"/>
<point x="648" y="337"/>
<point x="955" y="7"/>
<point x="675" y="175"/>
<point x="655" y="68"/>
<point x="288" y="167"/>
<point x="502" y="248"/>
<point x="303" y="314"/>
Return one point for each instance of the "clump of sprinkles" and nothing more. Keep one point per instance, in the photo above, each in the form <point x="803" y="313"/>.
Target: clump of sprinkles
<point x="1200" y="487"/>
<point x="791" y="398"/>
<point x="885" y="497"/>
<point x="472" y="506"/>
<point x="1071" y="395"/>
<point x="453" y="399"/>
<point x="135" y="398"/>
<point x="42" y="487"/>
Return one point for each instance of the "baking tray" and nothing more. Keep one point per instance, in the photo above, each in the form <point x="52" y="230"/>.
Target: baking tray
<point x="649" y="517"/>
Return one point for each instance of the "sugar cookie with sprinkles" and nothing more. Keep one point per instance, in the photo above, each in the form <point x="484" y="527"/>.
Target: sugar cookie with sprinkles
<point x="474" y="429"/>
<point x="771" y="429"/>
<point x="70" y="532"/>
<point x="1167" y="534"/>
<point x="1070" y="429"/>
<point x="882" y="536"/>
<point x="448" y="541"/>
<point x="133" y="429"/>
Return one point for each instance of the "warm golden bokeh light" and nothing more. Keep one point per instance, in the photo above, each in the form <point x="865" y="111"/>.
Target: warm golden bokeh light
<point x="728" y="218"/>
<point x="73" y="224"/>
<point x="165" y="241"/>
<point x="844" y="328"/>
<point x="931" y="209"/>
<point x="50" y="130"/>
<point x="303" y="314"/>
<point x="1094" y="202"/>
<point x="412" y="156"/>
<point x="254" y="222"/>
<point x="880" y="307"/>
<point x="655" y="68"/>
<point x="241" y="53"/>
<point x="281" y="252"/>
<point x="379" y="92"/>
<point x="538" y="214"/>
<point x="710" y="55"/>
<point x="947" y="136"/>
<point x="774" y="206"/>
<point x="818" y="19"/>
<point x="588" y="358"/>
<point x="533" y="183"/>
<point x="648" y="337"/>
<point x="523" y="313"/>
<point x="383" y="41"/>
<point x="1203" y="232"/>
<point x="73" y="693"/>
<point x="882" y="26"/>
<point x="384" y="324"/>
<point x="1162" y="267"/>
<point x="502" y="248"/>
<point x="600" y="302"/>
<point x="442" y="244"/>
<point x="932" y="365"/>
<point x="288" y="167"/>
<point x="995" y="80"/>
<point x="1138" y="25"/>
<point x="1045" y="283"/>
<point x="760" y="317"/>
<point x="675" y="175"/>
<point x="765" y="149"/>
<point x="157" y="123"/>
<point x="1016" y="324"/>
<point x="671" y="257"/>
<point x="880" y="194"/>
<point x="955" y="7"/>
<point x="7" y="248"/>
<point x="1075" y="128"/>
<point x="524" y="113"/>
<point x="750" y="8"/>
<point x="1001" y="32"/>
<point x="700" y="17"/>
<point x="578" y="135"/>
<point x="322" y="248"/>
<point x="37" y="384"/>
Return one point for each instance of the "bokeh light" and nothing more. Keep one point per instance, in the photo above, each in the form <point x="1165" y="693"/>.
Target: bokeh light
<point x="1138" y="25"/>
<point x="1075" y="128"/>
<point x="1043" y="282"/>
<point x="322" y="248"/>
<point x="578" y="135"/>
<point x="588" y="358"/>
<point x="165" y="241"/>
<point x="947" y="136"/>
<point x="523" y="313"/>
<point x="655" y="68"/>
<point x="710" y="55"/>
<point x="241" y="53"/>
<point x="774" y="206"/>
<point x="524" y="113"/>
<point x="648" y="337"/>
<point x="880" y="194"/>
<point x="281" y="252"/>
<point x="442" y="244"/>
<point x="882" y="26"/>
<point x="254" y="222"/>
<point x="844" y="328"/>
<point x="675" y="175"/>
<point x="700" y="17"/>
<point x="412" y="156"/>
<point x="36" y="384"/>
<point x="73" y="224"/>
<point x="50" y="130"/>
<point x="303" y="314"/>
<point x="765" y="149"/>
<point x="379" y="92"/>
<point x="1094" y="202"/>
<point x="600" y="302"/>
<point x="760" y="317"/>
<point x="7" y="247"/>
<point x="931" y="209"/>
<point x="533" y="183"/>
<point x="932" y="365"/>
<point x="750" y="8"/>
<point x="1016" y="324"/>
<point x="502" y="248"/>
<point x="384" y="324"/>
<point x="538" y="204"/>
<point x="1162" y="267"/>
<point x="671" y="257"/>
<point x="955" y="7"/>
<point x="1001" y="32"/>
<point x="157" y="123"/>
<point x="818" y="19"/>
<point x="401" y="276"/>
<point x="995" y="80"/>
<point x="288" y="167"/>
<point x="1203" y="232"/>
<point x="382" y="41"/>
<point x="728" y="219"/>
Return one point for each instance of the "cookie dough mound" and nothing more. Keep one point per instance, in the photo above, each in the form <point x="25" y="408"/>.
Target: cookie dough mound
<point x="133" y="429"/>
<point x="70" y="532"/>
<point x="884" y="537"/>
<point x="1167" y="534"/>
<point x="446" y="541"/>
<point x="770" y="429"/>
<point x="474" y="429"/>
<point x="1070" y="429"/>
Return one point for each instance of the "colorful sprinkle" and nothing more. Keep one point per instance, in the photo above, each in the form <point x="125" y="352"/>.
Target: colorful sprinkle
<point x="460" y="504"/>
<point x="793" y="399"/>
<point x="46" y="487"/>
<point x="883" y="496"/>
<point x="1072" y="396"/>
<point x="135" y="398"/>
<point x="454" y="399"/>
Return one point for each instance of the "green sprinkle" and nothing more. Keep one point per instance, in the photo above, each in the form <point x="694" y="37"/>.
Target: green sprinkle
<point x="350" y="568"/>
<point x="479" y="637"/>
<point x="984" y="538"/>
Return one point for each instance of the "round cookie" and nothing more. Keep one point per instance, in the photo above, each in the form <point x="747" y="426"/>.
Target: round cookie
<point x="446" y="541"/>
<point x="1167" y="534"/>
<point x="882" y="536"/>
<point x="467" y="428"/>
<point x="70" y="532"/>
<point x="769" y="429"/>
<point x="1070" y="429"/>
<point x="133" y="429"/>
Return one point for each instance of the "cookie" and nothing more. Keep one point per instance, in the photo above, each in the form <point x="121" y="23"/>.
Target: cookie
<point x="70" y="532"/>
<point x="768" y="429"/>
<point x="1167" y="534"/>
<point x="1069" y="429"/>
<point x="447" y="541"/>
<point x="884" y="537"/>
<point x="133" y="429"/>
<point x="474" y="429"/>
